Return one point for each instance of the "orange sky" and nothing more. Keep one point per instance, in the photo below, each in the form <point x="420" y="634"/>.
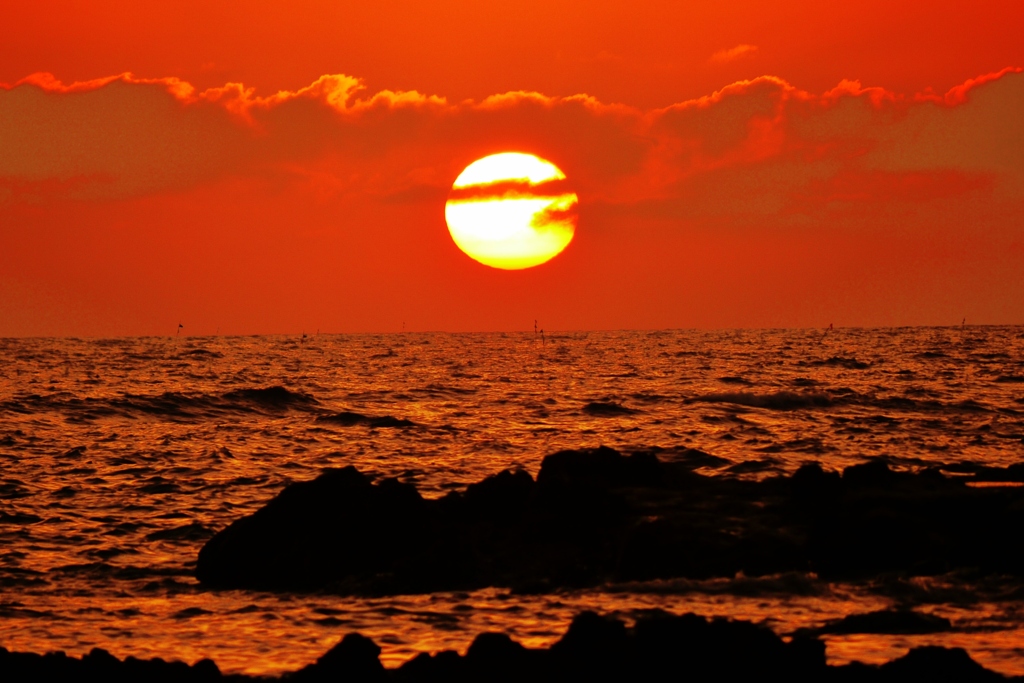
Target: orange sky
<point x="737" y="163"/>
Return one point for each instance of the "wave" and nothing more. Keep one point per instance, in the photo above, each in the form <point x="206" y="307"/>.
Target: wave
<point x="443" y="391"/>
<point x="782" y="400"/>
<point x="785" y="583"/>
<point x="190" y="532"/>
<point x="271" y="397"/>
<point x="791" y="400"/>
<point x="351" y="419"/>
<point x="18" y="518"/>
<point x="201" y="353"/>
<point x="607" y="409"/>
<point x="840" y="362"/>
<point x="171" y="405"/>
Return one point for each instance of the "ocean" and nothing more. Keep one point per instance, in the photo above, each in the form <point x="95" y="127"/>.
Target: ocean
<point x="120" y="458"/>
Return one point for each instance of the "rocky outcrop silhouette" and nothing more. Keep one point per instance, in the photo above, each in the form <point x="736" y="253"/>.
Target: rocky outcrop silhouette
<point x="595" y="516"/>
<point x="659" y="647"/>
<point x="901" y="621"/>
<point x="100" y="665"/>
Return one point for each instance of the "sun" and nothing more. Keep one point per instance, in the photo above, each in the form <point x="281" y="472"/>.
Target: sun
<point x="511" y="211"/>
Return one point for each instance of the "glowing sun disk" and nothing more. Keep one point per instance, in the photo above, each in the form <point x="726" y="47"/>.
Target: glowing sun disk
<point x="517" y="229"/>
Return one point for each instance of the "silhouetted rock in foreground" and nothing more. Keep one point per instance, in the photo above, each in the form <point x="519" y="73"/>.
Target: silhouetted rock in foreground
<point x="659" y="647"/>
<point x="902" y="621"/>
<point x="596" y="516"/>
<point x="100" y="665"/>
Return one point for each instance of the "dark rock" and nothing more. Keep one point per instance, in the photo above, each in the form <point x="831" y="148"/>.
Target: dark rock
<point x="496" y="657"/>
<point x="811" y="482"/>
<point x="100" y="665"/>
<point x="592" y="639"/>
<point x="446" y="666"/>
<point x="937" y="665"/>
<point x="1011" y="473"/>
<point x="356" y="658"/>
<point x="596" y="515"/>
<point x="598" y="469"/>
<point x="694" y="458"/>
<point x="903" y="621"/>
<point x="659" y="647"/>
<point x="500" y="495"/>
<point x="314" y="533"/>
<point x="206" y="670"/>
<point x="874" y="474"/>
<point x="706" y="649"/>
<point x="494" y="648"/>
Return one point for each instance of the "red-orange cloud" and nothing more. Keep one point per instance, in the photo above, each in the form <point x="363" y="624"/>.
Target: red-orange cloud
<point x="121" y="136"/>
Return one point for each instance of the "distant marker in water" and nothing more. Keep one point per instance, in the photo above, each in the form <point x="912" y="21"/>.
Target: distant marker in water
<point x="179" y="329"/>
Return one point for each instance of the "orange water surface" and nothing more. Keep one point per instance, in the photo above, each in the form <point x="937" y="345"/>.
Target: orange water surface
<point x="119" y="458"/>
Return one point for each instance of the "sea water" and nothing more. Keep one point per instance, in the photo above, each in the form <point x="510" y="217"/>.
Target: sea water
<point x="119" y="458"/>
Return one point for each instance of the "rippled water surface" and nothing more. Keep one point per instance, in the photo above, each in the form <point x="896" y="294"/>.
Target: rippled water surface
<point x="119" y="458"/>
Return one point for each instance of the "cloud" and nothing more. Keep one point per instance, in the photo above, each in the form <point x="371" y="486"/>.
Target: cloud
<point x="755" y="147"/>
<point x="110" y="137"/>
<point x="763" y="147"/>
<point x="733" y="53"/>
